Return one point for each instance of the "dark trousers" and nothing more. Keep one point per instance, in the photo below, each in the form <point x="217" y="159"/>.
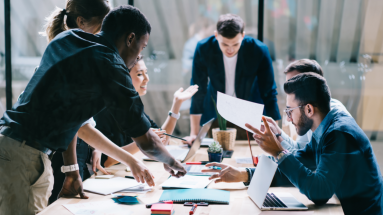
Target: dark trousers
<point x="82" y="151"/>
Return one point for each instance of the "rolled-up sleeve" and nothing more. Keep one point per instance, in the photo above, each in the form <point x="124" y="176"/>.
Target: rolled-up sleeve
<point x="124" y="102"/>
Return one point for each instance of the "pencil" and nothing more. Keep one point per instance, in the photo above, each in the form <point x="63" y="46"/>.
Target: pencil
<point x="174" y="136"/>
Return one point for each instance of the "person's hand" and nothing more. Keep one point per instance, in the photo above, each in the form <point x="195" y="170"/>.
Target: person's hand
<point x="72" y="186"/>
<point x="189" y="139"/>
<point x="141" y="173"/>
<point x="227" y="173"/>
<point x="177" y="166"/>
<point x="160" y="134"/>
<point x="266" y="140"/>
<point x="183" y="95"/>
<point x="273" y="125"/>
<point x="96" y="162"/>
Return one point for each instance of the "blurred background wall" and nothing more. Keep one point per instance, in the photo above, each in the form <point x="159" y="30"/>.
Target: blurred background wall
<point x="344" y="36"/>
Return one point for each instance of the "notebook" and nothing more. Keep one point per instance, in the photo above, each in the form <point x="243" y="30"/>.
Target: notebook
<point x="196" y="195"/>
<point x="106" y="187"/>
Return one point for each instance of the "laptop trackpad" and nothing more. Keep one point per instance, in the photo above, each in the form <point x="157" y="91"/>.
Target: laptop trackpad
<point x="291" y="202"/>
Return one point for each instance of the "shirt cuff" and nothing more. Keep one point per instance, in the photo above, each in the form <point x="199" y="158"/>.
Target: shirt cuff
<point x="285" y="144"/>
<point x="284" y="135"/>
<point x="250" y="176"/>
<point x="283" y="157"/>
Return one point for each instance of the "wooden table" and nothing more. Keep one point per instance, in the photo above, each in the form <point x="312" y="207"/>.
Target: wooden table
<point x="240" y="203"/>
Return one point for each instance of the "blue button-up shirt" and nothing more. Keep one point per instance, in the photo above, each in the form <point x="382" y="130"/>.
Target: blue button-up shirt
<point x="338" y="160"/>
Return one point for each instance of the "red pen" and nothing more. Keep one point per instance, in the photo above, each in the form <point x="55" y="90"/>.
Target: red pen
<point x="191" y="212"/>
<point x="198" y="163"/>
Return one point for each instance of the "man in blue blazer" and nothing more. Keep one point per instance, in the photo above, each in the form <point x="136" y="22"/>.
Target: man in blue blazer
<point x="232" y="63"/>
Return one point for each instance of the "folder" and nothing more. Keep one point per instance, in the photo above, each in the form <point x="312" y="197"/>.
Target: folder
<point x="196" y="195"/>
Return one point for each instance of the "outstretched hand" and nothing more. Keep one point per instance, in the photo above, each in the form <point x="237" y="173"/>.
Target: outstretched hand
<point x="227" y="173"/>
<point x="96" y="162"/>
<point x="72" y="186"/>
<point x="183" y="95"/>
<point x="266" y="140"/>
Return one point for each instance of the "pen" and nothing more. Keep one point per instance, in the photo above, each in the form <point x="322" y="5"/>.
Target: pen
<point x="198" y="163"/>
<point x="126" y="176"/>
<point x="191" y="212"/>
<point x="174" y="136"/>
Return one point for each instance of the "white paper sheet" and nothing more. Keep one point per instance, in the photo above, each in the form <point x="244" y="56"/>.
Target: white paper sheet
<point x="243" y="160"/>
<point x="107" y="207"/>
<point x="239" y="112"/>
<point x="188" y="181"/>
<point x="109" y="186"/>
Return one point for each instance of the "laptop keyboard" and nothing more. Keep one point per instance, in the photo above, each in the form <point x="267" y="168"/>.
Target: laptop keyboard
<point x="272" y="201"/>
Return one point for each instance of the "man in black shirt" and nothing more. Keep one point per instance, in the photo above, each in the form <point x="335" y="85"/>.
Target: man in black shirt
<point x="80" y="74"/>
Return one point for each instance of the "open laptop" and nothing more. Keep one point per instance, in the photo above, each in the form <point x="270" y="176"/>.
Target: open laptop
<point x="260" y="184"/>
<point x="184" y="153"/>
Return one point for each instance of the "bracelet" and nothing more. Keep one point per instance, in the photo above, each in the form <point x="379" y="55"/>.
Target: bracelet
<point x="176" y="116"/>
<point x="278" y="135"/>
<point x="70" y="168"/>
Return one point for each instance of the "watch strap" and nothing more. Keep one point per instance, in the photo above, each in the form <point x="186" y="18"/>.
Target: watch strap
<point x="70" y="168"/>
<point x="176" y="116"/>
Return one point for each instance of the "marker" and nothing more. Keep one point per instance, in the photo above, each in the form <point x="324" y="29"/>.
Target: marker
<point x="174" y="137"/>
<point x="215" y="167"/>
<point x="164" y="202"/>
<point x="126" y="176"/>
<point x="191" y="212"/>
<point x="198" y="163"/>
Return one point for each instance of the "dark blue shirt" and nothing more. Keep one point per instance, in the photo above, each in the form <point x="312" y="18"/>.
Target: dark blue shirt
<point x="80" y="74"/>
<point x="338" y="160"/>
<point x="254" y="77"/>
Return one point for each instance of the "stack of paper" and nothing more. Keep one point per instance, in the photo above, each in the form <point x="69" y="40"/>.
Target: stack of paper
<point x="106" y="187"/>
<point x="107" y="207"/>
<point x="188" y="181"/>
<point x="162" y="209"/>
<point x="141" y="188"/>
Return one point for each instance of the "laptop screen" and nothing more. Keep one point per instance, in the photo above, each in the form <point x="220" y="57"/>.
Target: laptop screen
<point x="197" y="143"/>
<point x="261" y="181"/>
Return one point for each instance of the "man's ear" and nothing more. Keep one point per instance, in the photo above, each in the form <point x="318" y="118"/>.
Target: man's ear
<point x="129" y="39"/>
<point x="309" y="110"/>
<point x="215" y="34"/>
<point x="80" y="21"/>
<point x="243" y="34"/>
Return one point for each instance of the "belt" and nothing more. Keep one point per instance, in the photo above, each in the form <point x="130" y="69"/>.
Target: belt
<point x="7" y="131"/>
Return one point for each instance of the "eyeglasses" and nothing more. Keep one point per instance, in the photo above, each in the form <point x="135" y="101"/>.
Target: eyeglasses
<point x="288" y="111"/>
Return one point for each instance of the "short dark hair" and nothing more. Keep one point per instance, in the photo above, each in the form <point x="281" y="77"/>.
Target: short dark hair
<point x="304" y="65"/>
<point x="310" y="88"/>
<point x="229" y="25"/>
<point x="126" y="19"/>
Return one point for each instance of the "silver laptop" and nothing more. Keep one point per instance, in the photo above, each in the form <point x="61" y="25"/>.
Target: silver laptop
<point x="183" y="153"/>
<point x="260" y="184"/>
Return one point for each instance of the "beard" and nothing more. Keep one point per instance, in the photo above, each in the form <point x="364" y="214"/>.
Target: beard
<point x="304" y="124"/>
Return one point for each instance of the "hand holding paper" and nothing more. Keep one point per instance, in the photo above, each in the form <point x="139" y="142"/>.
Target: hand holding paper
<point x="239" y="111"/>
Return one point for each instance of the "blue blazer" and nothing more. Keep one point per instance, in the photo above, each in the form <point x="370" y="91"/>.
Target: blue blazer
<point x="254" y="77"/>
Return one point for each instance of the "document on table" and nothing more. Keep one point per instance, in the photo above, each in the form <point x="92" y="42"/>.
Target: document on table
<point x="243" y="160"/>
<point x="188" y="181"/>
<point x="239" y="111"/>
<point x="107" y="207"/>
<point x="105" y="187"/>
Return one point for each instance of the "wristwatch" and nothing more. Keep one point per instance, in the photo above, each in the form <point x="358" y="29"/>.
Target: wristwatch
<point x="278" y="135"/>
<point x="70" y="168"/>
<point x="176" y="116"/>
<point x="281" y="154"/>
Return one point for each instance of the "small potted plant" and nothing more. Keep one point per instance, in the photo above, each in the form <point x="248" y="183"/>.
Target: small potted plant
<point x="225" y="136"/>
<point x="215" y="152"/>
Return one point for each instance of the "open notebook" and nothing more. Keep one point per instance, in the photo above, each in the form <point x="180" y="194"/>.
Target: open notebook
<point x="196" y="195"/>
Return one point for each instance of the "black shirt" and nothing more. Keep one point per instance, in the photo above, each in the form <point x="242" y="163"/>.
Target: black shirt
<point x="80" y="74"/>
<point x="106" y="124"/>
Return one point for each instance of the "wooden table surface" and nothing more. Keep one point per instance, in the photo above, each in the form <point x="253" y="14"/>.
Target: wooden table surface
<point x="240" y="203"/>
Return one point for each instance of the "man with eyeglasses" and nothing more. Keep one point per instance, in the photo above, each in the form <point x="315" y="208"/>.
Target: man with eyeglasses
<point x="293" y="69"/>
<point x="338" y="160"/>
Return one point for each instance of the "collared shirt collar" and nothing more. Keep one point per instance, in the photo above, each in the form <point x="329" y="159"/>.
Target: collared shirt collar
<point x="317" y="134"/>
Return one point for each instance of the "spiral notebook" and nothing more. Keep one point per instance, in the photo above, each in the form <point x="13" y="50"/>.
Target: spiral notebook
<point x="196" y="195"/>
